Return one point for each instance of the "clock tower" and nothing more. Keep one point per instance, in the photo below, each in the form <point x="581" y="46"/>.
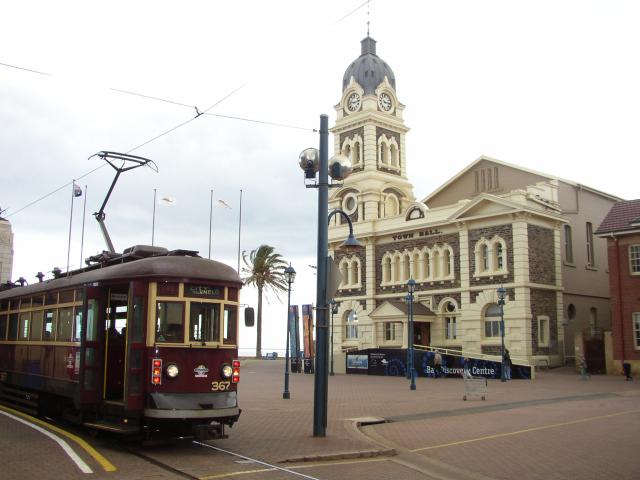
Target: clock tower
<point x="370" y="131"/>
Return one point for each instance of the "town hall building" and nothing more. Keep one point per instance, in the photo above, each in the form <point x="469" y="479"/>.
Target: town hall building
<point x="493" y="224"/>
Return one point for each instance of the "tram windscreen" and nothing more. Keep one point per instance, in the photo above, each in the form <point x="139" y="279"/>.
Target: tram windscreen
<point x="169" y="322"/>
<point x="205" y="322"/>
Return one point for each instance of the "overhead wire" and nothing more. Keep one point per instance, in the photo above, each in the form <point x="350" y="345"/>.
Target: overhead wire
<point x="150" y="97"/>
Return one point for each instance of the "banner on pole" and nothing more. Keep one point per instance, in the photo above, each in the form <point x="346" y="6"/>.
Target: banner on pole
<point x="307" y="330"/>
<point x="294" y="335"/>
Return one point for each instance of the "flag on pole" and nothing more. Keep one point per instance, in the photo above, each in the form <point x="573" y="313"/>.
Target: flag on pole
<point x="223" y="204"/>
<point x="167" y="201"/>
<point x="77" y="190"/>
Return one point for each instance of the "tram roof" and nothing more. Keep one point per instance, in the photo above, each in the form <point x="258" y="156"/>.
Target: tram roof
<point x="178" y="268"/>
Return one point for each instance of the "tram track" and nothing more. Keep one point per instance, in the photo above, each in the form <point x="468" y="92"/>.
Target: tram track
<point x="268" y="467"/>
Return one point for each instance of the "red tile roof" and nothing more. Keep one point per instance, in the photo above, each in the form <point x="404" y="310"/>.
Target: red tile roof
<point x="622" y="216"/>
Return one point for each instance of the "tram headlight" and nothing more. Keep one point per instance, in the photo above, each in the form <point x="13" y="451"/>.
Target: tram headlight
<point x="172" y="370"/>
<point x="226" y="371"/>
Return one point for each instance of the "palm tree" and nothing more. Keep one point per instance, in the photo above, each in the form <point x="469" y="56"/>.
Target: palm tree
<point x="265" y="270"/>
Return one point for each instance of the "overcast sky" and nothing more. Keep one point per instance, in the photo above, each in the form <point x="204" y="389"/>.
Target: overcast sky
<point x="547" y="85"/>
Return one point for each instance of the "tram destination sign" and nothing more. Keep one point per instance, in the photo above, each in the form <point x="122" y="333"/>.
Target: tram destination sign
<point x="203" y="291"/>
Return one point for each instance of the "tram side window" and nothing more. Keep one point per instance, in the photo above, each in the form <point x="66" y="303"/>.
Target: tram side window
<point x="13" y="326"/>
<point x="77" y="331"/>
<point x="36" y="325"/>
<point x="23" y="331"/>
<point x="49" y="329"/>
<point x="65" y="324"/>
<point x="205" y="322"/>
<point x="4" y="320"/>
<point x="92" y="320"/>
<point x="230" y="324"/>
<point x="170" y="322"/>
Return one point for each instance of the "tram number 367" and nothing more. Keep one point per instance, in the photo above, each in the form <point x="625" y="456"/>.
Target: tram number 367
<point x="220" y="386"/>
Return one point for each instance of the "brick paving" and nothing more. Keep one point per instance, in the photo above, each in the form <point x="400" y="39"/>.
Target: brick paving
<point x="554" y="427"/>
<point x="278" y="430"/>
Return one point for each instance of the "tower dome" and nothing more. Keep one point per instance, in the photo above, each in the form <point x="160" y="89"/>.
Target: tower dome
<point x="368" y="69"/>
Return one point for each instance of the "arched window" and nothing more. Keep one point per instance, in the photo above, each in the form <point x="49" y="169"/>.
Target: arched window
<point x="491" y="257"/>
<point x="499" y="251"/>
<point x="449" y="312"/>
<point x="492" y="321"/>
<point x="344" y="272"/>
<point x="386" y="270"/>
<point x="351" y="330"/>
<point x="436" y="268"/>
<point x="346" y="151"/>
<point x="484" y="258"/>
<point x="393" y="153"/>
<point x="447" y="263"/>
<point x="426" y="267"/>
<point x="356" y="158"/>
<point x="383" y="153"/>
<point x="415" y="266"/>
<point x="397" y="272"/>
<point x="355" y="272"/>
<point x="406" y="271"/>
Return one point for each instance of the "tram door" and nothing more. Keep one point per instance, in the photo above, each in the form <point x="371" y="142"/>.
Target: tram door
<point x="91" y="349"/>
<point x="115" y="343"/>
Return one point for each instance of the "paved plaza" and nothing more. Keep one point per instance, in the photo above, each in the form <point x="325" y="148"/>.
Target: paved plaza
<point x="554" y="427"/>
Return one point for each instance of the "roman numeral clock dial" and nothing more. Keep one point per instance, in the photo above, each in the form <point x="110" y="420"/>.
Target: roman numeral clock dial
<point x="353" y="102"/>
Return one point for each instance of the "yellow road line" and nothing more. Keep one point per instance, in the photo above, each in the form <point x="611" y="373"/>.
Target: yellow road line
<point x="104" y="463"/>
<point x="233" y="474"/>
<point x="527" y="430"/>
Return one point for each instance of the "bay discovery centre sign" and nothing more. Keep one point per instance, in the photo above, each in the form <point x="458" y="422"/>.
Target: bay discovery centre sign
<point x="393" y="362"/>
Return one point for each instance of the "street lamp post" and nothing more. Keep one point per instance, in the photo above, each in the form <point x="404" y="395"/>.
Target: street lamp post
<point x="334" y="310"/>
<point x="501" y="295"/>
<point x="314" y="162"/>
<point x="411" y="287"/>
<point x="289" y="276"/>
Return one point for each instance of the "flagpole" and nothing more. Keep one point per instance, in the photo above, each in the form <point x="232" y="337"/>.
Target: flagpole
<point x="239" y="230"/>
<point x="84" y="212"/>
<point x="210" y="219"/>
<point x="73" y="194"/>
<point x="153" y="221"/>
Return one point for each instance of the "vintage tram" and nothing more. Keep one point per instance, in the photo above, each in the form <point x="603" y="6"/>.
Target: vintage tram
<point x="144" y="343"/>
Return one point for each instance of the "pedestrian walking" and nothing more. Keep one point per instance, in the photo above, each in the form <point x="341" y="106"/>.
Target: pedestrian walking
<point x="506" y="364"/>
<point x="626" y="367"/>
<point x="437" y="365"/>
<point x="466" y="368"/>
<point x="584" y="369"/>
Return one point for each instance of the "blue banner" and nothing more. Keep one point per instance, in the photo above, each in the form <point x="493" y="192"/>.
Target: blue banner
<point x="393" y="362"/>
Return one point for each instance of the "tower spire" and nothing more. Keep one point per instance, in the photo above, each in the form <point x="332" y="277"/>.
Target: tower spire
<point x="368" y="22"/>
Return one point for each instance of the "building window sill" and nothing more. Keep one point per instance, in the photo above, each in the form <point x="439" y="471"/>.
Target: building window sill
<point x="569" y="264"/>
<point x="591" y="267"/>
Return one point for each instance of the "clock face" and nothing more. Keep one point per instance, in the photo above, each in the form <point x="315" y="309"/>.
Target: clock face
<point x="353" y="102"/>
<point x="384" y="100"/>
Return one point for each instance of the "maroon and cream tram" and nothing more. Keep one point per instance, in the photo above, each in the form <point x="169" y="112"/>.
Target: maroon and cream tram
<point x="143" y="342"/>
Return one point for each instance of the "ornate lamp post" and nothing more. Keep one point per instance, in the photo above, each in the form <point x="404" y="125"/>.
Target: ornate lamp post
<point x="313" y="162"/>
<point x="289" y="276"/>
<point x="411" y="287"/>
<point x="334" y="310"/>
<point x="501" y="295"/>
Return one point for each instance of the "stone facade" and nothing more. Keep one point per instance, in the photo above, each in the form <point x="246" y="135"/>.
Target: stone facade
<point x="502" y="226"/>
<point x="542" y="265"/>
